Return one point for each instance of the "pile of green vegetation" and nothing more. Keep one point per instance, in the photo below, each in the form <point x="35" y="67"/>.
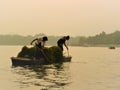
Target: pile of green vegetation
<point x="54" y="53"/>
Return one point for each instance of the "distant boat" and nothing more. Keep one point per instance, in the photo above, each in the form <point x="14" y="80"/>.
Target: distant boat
<point x="111" y="47"/>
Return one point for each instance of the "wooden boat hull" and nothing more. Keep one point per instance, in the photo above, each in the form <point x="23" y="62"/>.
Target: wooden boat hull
<point x="27" y="61"/>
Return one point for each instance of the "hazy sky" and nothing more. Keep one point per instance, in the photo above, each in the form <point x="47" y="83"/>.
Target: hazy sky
<point x="59" y="17"/>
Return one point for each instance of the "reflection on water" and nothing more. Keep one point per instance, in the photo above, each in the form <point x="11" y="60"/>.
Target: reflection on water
<point x="44" y="77"/>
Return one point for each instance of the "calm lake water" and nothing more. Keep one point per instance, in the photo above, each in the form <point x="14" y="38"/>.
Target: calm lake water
<point x="91" y="68"/>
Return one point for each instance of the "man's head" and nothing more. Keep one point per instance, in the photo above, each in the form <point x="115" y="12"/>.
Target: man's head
<point x="45" y="38"/>
<point x="67" y="37"/>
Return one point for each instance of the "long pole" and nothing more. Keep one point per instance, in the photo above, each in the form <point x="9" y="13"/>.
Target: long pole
<point x="45" y="56"/>
<point x="68" y="52"/>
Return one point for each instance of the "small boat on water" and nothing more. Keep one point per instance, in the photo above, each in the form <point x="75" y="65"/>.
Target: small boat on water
<point x="48" y="56"/>
<point x="111" y="47"/>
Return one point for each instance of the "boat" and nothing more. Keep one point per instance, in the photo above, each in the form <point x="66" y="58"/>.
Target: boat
<point x="28" y="61"/>
<point x="111" y="47"/>
<point x="27" y="56"/>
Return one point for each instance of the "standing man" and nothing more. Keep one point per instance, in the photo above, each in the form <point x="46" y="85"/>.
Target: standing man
<point x="62" y="41"/>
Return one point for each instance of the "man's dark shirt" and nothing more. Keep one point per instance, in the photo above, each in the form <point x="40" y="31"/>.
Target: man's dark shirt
<point x="61" y="41"/>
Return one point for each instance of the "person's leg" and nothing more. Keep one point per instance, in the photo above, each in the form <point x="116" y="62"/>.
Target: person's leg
<point x="61" y="47"/>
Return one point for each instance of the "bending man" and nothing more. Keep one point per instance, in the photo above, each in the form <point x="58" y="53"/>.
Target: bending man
<point x="62" y="41"/>
<point x="39" y="43"/>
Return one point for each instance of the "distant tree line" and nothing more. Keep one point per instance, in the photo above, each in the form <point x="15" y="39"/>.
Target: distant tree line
<point x="99" y="39"/>
<point x="25" y="40"/>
